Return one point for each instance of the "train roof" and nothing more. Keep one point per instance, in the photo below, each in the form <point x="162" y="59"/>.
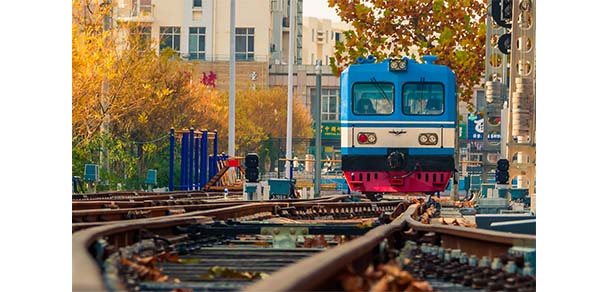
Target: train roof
<point x="370" y="65"/>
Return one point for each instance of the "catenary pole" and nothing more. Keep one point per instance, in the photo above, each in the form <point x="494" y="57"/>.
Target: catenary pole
<point x="290" y="86"/>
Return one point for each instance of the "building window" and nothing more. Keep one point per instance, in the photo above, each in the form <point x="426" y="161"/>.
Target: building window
<point x="329" y="104"/>
<point x="169" y="37"/>
<point x="196" y="3"/>
<point x="244" y="44"/>
<point x="312" y="34"/>
<point x="142" y="36"/>
<point x="145" y="7"/>
<point x="337" y="36"/>
<point x="197" y="43"/>
<point x="330" y="100"/>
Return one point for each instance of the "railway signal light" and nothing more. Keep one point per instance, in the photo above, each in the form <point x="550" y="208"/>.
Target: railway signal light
<point x="252" y="171"/>
<point x="498" y="13"/>
<point x="502" y="175"/>
<point x="507" y="10"/>
<point x="504" y="43"/>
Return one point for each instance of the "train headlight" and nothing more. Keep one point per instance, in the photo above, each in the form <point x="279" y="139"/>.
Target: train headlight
<point x="428" y="139"/>
<point x="367" y="138"/>
<point x="398" y="65"/>
<point x="423" y="139"/>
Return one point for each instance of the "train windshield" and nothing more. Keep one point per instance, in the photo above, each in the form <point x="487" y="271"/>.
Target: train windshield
<point x="373" y="98"/>
<point x="422" y="98"/>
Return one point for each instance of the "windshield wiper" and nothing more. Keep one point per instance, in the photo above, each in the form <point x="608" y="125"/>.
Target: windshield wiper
<point x="380" y="90"/>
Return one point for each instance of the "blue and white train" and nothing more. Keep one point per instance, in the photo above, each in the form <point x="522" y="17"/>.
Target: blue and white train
<point x="398" y="126"/>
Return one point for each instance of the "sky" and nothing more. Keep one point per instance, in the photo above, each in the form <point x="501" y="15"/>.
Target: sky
<point x="319" y="9"/>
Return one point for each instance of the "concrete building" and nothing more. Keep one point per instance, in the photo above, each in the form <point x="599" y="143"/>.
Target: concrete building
<point x="200" y="31"/>
<point x="319" y="37"/>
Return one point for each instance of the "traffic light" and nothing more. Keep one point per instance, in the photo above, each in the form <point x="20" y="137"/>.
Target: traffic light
<point x="499" y="14"/>
<point x="504" y="43"/>
<point x="507" y="10"/>
<point x="502" y="175"/>
<point x="252" y="167"/>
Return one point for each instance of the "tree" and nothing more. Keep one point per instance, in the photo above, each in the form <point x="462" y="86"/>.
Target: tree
<point x="119" y="79"/>
<point x="453" y="30"/>
<point x="260" y="115"/>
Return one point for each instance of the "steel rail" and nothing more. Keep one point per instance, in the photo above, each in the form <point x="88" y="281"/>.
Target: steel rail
<point x="170" y="199"/>
<point x="96" y="205"/>
<point x="140" y="196"/>
<point x="311" y="273"/>
<point x="218" y="214"/>
<point x="86" y="274"/>
<point x="107" y="214"/>
<point x="135" y="210"/>
<point x="479" y="242"/>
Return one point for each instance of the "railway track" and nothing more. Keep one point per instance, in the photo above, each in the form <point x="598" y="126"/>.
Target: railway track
<point x="301" y="246"/>
<point x="431" y="252"/>
<point x="188" y="232"/>
<point x="94" y="213"/>
<point x="142" y="196"/>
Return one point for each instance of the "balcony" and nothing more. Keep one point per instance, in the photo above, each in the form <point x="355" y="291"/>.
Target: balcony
<point x="320" y="37"/>
<point x="136" y="10"/>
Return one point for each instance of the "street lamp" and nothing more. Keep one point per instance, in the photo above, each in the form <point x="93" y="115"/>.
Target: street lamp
<point x="317" y="118"/>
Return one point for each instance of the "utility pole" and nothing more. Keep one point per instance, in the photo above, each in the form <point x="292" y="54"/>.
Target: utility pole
<point x="105" y="127"/>
<point x="522" y="102"/>
<point x="231" y="150"/>
<point x="290" y="89"/>
<point x="317" y="113"/>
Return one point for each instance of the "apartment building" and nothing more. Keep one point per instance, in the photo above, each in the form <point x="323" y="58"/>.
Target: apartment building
<point x="200" y="31"/>
<point x="319" y="37"/>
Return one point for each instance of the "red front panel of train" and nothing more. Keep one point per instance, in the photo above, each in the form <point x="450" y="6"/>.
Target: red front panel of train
<point x="397" y="181"/>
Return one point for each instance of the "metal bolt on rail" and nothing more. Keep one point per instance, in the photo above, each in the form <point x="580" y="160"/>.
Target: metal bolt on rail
<point x="484" y="262"/>
<point x="496" y="264"/>
<point x="473" y="261"/>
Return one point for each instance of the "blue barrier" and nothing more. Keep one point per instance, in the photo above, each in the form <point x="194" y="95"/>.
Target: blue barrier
<point x="195" y="163"/>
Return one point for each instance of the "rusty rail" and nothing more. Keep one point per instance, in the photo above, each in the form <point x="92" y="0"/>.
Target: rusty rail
<point x="86" y="274"/>
<point x="479" y="242"/>
<point x="218" y="214"/>
<point x="87" y="277"/>
<point x="116" y="214"/>
<point x="312" y="273"/>
<point x="141" y="196"/>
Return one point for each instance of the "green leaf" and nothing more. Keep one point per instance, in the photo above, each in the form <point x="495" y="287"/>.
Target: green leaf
<point x="445" y="36"/>
<point x="361" y="10"/>
<point x="437" y="6"/>
<point x="461" y="56"/>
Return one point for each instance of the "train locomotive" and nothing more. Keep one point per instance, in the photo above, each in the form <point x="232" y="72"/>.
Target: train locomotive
<point x="398" y="126"/>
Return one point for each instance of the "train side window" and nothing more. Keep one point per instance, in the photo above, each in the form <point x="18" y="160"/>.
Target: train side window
<point x="373" y="98"/>
<point x="423" y="98"/>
